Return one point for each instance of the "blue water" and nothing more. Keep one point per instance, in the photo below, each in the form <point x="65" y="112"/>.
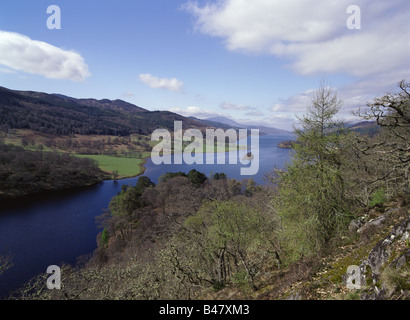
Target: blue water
<point x="59" y="227"/>
<point x="269" y="157"/>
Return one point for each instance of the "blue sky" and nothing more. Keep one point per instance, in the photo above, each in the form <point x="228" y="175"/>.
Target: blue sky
<point x="253" y="61"/>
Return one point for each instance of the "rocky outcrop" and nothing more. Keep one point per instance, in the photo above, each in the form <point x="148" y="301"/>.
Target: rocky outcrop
<point x="382" y="252"/>
<point x="391" y="252"/>
<point x="375" y="223"/>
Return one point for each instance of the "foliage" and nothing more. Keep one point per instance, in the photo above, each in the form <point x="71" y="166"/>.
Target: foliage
<point x="129" y="198"/>
<point x="396" y="280"/>
<point x="219" y="176"/>
<point x="196" y="178"/>
<point x="387" y="155"/>
<point x="378" y="197"/>
<point x="311" y="199"/>
<point x="104" y="237"/>
<point x="169" y="175"/>
<point x="228" y="237"/>
<point x="24" y="172"/>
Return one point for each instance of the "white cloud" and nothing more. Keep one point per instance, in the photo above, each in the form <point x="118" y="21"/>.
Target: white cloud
<point x="353" y="96"/>
<point x="259" y="25"/>
<point x="19" y="52"/>
<point x="313" y="33"/>
<point x="297" y="103"/>
<point x="194" y="111"/>
<point x="277" y="107"/>
<point x="170" y="84"/>
<point x="279" y="121"/>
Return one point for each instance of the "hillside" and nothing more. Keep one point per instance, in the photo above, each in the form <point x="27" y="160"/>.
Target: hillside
<point x="377" y="242"/>
<point x="61" y="115"/>
<point x="367" y="127"/>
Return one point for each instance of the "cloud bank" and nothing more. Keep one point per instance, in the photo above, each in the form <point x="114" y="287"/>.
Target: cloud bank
<point x="21" y="53"/>
<point x="194" y="111"/>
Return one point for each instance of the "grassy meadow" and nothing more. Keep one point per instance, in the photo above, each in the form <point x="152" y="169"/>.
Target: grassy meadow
<point x="126" y="167"/>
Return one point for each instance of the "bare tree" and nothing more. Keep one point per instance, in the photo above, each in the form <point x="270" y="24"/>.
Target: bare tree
<point x="391" y="147"/>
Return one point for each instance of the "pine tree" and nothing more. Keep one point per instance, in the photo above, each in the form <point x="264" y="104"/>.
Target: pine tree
<point x="311" y="198"/>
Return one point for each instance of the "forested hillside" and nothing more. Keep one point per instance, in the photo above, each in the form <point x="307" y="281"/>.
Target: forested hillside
<point x="61" y="115"/>
<point x="25" y="172"/>
<point x="197" y="237"/>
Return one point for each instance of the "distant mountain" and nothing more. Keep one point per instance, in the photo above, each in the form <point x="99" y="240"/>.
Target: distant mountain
<point x="57" y="114"/>
<point x="363" y="124"/>
<point x="225" y="121"/>
<point x="216" y="124"/>
<point x="367" y="127"/>
<point x="262" y="129"/>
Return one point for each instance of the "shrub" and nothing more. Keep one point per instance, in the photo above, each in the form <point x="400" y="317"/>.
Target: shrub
<point x="377" y="198"/>
<point x="394" y="280"/>
<point x="104" y="237"/>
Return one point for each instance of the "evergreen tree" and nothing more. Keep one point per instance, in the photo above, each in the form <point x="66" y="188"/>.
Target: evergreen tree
<point x="311" y="198"/>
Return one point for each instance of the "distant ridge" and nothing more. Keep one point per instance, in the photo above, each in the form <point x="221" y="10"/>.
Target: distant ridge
<point x="112" y="104"/>
<point x="262" y="129"/>
<point x="367" y="127"/>
<point x="104" y="103"/>
<point x="216" y="124"/>
<point x="57" y="114"/>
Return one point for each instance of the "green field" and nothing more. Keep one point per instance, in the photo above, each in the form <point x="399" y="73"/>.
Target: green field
<point x="126" y="167"/>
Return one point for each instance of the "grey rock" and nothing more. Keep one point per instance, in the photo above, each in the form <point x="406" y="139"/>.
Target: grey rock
<point x="372" y="223"/>
<point x="392" y="211"/>
<point x="377" y="261"/>
<point x="380" y="254"/>
<point x="355" y="277"/>
<point x="399" y="262"/>
<point x="355" y="225"/>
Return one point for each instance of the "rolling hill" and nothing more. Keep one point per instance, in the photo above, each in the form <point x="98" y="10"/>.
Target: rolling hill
<point x="61" y="115"/>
